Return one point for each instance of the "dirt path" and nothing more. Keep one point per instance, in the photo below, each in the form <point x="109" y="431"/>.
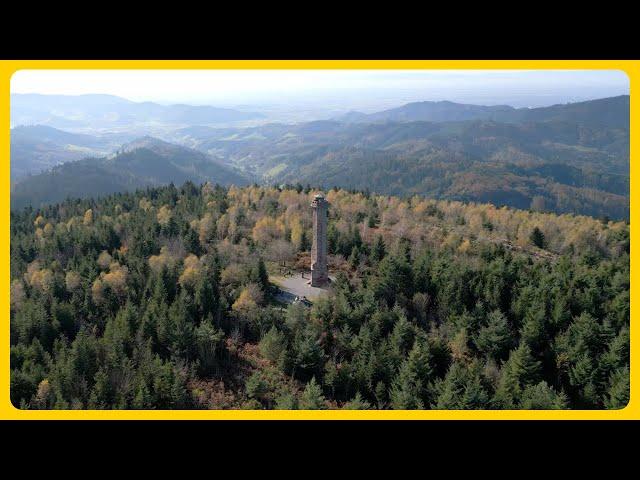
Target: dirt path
<point x="296" y="286"/>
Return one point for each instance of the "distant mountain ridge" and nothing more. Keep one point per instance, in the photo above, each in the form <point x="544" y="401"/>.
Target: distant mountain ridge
<point x="44" y="133"/>
<point x="142" y="163"/>
<point x="441" y="111"/>
<point x="100" y="111"/>
<point x="605" y="111"/>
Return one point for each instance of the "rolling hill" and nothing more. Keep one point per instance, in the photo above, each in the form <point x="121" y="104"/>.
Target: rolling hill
<point x="36" y="148"/>
<point x="142" y="163"/>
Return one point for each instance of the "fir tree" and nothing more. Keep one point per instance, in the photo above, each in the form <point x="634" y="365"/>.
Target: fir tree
<point x="495" y="338"/>
<point x="312" y="397"/>
<point x="542" y="397"/>
<point x="273" y="345"/>
<point x="537" y="238"/>
<point x="520" y="371"/>
<point x="619" y="389"/>
<point x="357" y="403"/>
<point x="378" y="251"/>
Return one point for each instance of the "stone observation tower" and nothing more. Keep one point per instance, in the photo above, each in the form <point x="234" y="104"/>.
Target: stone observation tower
<point x="319" y="274"/>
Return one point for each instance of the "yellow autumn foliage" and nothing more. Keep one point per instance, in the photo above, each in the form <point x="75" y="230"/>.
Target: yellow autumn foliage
<point x="164" y="215"/>
<point x="164" y="259"/>
<point x="43" y="394"/>
<point x="115" y="279"/>
<point x="145" y="204"/>
<point x="465" y="246"/>
<point x="191" y="272"/>
<point x="39" y="278"/>
<point x="87" y="219"/>
<point x="17" y="294"/>
<point x="206" y="227"/>
<point x="233" y="274"/>
<point x="40" y="235"/>
<point x="97" y="291"/>
<point x="265" y="230"/>
<point x="297" y="232"/>
<point x="72" y="281"/>
<point x="249" y="300"/>
<point x="42" y="280"/>
<point x="104" y="260"/>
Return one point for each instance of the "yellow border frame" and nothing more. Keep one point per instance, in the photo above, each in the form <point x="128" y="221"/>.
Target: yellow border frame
<point x="8" y="68"/>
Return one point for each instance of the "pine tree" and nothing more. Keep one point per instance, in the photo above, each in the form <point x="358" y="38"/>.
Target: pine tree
<point x="619" y="389"/>
<point x="101" y="395"/>
<point x="419" y="362"/>
<point x="542" y="397"/>
<point x="495" y="339"/>
<point x="381" y="395"/>
<point x="461" y="388"/>
<point x="533" y="329"/>
<point x="405" y="391"/>
<point x="256" y="386"/>
<point x="312" y="397"/>
<point x="304" y="242"/>
<point x="209" y="345"/>
<point x="354" y="258"/>
<point x="378" y="251"/>
<point x="394" y="277"/>
<point x="258" y="274"/>
<point x="22" y="387"/>
<point x="307" y="355"/>
<point x="403" y="335"/>
<point x="273" y="345"/>
<point x="358" y="403"/>
<point x="537" y="238"/>
<point x="286" y="401"/>
<point x="580" y="348"/>
<point x="192" y="242"/>
<point x="410" y="389"/>
<point x="617" y="353"/>
<point x="521" y="370"/>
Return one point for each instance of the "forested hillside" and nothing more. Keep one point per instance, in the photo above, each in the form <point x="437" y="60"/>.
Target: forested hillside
<point x="571" y="158"/>
<point x="162" y="299"/>
<point x="36" y="148"/>
<point x="565" y="159"/>
<point x="141" y="163"/>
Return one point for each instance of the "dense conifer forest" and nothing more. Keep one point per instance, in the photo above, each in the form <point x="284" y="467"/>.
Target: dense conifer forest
<point x="162" y="299"/>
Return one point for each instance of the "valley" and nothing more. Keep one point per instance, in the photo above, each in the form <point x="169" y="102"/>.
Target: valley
<point x="571" y="158"/>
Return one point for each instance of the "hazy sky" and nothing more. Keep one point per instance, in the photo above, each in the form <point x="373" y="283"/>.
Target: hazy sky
<point x="364" y="89"/>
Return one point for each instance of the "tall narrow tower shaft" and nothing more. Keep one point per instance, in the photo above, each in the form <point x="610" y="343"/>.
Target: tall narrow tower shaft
<point x="319" y="273"/>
